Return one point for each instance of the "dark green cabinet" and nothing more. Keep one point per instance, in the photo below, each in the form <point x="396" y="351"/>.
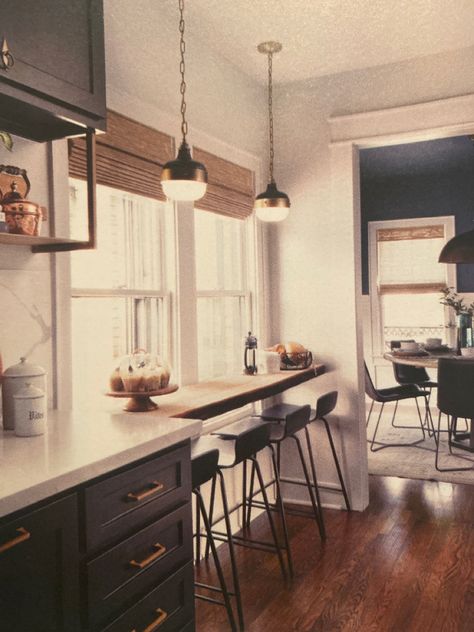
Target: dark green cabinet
<point x="39" y="587"/>
<point x="54" y="82"/>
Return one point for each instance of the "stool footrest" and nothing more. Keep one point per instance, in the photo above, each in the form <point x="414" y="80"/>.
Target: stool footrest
<point x="213" y="588"/>
<point x="251" y="544"/>
<point x="218" y="602"/>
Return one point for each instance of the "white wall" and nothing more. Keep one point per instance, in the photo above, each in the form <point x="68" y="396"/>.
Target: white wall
<point x="318" y="245"/>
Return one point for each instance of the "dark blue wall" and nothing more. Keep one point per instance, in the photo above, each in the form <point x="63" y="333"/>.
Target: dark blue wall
<point x="419" y="196"/>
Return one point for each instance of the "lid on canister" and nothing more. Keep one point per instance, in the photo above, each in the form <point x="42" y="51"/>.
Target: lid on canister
<point x="28" y="392"/>
<point x="24" y="369"/>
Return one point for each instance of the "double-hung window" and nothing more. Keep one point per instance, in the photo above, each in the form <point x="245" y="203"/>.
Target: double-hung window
<point x="406" y="279"/>
<point x="223" y="298"/>
<point x="119" y="300"/>
<point x="125" y="295"/>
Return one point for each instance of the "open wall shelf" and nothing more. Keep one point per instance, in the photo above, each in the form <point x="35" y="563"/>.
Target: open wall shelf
<point x="62" y="244"/>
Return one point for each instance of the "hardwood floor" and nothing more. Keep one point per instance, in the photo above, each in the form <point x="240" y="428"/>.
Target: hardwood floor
<point x="405" y="564"/>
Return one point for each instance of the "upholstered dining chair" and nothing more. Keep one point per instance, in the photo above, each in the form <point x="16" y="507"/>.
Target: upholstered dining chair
<point x="456" y="399"/>
<point x="385" y="396"/>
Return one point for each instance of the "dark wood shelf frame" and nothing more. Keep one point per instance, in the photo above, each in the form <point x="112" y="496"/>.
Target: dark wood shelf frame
<point x="60" y="244"/>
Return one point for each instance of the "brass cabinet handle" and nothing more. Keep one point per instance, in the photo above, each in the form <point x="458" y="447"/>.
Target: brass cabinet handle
<point x="24" y="535"/>
<point x="160" y="549"/>
<point x="154" y="625"/>
<point x="6" y="58"/>
<point x="157" y="487"/>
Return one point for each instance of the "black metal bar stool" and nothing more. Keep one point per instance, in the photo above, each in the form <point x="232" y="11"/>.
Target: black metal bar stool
<point x="324" y="406"/>
<point x="239" y="443"/>
<point x="287" y="428"/>
<point x="203" y="469"/>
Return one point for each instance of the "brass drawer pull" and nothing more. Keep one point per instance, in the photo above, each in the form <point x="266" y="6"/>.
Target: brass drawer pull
<point x="157" y="487"/>
<point x="24" y="535"/>
<point x="154" y="625"/>
<point x="160" y="550"/>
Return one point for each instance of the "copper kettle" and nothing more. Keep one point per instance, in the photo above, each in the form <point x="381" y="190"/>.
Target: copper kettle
<point x="22" y="217"/>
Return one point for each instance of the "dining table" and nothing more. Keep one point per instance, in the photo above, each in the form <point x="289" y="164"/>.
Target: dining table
<point x="427" y="359"/>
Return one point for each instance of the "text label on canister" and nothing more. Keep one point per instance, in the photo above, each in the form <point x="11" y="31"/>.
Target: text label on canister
<point x="29" y="411"/>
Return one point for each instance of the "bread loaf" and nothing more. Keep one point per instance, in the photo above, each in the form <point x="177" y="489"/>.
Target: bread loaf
<point x="294" y="347"/>
<point x="288" y="347"/>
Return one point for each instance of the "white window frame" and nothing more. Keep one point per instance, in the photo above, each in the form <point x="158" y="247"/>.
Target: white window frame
<point x="448" y="221"/>
<point x="181" y="288"/>
<point x="248" y="278"/>
<point x="141" y="293"/>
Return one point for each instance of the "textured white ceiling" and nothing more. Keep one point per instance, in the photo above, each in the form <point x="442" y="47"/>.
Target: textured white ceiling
<point x="322" y="37"/>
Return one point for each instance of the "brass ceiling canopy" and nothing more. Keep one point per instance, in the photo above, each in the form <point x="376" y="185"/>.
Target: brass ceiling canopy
<point x="272" y="205"/>
<point x="459" y="249"/>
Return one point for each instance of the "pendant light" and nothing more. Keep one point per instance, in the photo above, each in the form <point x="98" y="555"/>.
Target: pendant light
<point x="183" y="178"/>
<point x="459" y="249"/>
<point x="272" y="205"/>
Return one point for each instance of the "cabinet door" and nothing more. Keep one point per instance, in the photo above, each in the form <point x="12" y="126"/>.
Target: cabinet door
<point x="58" y="54"/>
<point x="39" y="570"/>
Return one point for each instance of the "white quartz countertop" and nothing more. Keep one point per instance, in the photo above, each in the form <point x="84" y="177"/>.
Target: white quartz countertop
<point x="77" y="447"/>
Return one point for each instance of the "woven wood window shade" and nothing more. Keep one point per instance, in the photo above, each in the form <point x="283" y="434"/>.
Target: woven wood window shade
<point x="231" y="188"/>
<point x="130" y="156"/>
<point x="417" y="232"/>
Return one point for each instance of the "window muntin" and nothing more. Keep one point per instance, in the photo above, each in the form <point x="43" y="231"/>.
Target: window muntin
<point x="118" y="298"/>
<point x="223" y="300"/>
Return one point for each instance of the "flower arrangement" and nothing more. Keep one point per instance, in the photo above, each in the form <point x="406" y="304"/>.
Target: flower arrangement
<point x="452" y="299"/>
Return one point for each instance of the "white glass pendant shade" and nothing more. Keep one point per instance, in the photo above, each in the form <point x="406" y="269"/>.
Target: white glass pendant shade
<point x="272" y="213"/>
<point x="183" y="190"/>
<point x="184" y="179"/>
<point x="272" y="205"/>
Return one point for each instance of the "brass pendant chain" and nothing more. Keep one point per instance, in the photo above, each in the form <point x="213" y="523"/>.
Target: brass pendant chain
<point x="270" y="111"/>
<point x="182" y="49"/>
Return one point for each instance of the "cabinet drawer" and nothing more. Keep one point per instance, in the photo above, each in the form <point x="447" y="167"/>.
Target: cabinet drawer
<point x="172" y="602"/>
<point x="121" y="504"/>
<point x="117" y="578"/>
<point x="39" y="570"/>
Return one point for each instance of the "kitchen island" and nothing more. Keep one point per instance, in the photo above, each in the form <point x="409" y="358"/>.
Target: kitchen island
<point x="95" y="515"/>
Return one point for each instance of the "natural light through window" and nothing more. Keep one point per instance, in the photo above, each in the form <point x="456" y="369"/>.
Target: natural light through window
<point x="118" y="297"/>
<point x="408" y="279"/>
<point x="223" y="301"/>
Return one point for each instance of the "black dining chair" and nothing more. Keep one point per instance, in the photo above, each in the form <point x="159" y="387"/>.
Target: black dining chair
<point x="387" y="395"/>
<point x="406" y="374"/>
<point x="455" y="399"/>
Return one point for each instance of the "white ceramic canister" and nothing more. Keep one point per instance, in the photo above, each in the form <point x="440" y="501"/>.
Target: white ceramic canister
<point x="14" y="379"/>
<point x="30" y="411"/>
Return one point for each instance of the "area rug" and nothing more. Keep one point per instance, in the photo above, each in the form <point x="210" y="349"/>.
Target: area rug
<point x="414" y="462"/>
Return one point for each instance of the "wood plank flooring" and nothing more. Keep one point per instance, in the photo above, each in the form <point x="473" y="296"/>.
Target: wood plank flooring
<point x="406" y="564"/>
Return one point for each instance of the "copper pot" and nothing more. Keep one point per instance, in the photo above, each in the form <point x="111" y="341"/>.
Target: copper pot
<point x="22" y="216"/>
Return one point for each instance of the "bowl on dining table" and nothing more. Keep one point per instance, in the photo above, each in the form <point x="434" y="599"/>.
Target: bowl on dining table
<point x="409" y="346"/>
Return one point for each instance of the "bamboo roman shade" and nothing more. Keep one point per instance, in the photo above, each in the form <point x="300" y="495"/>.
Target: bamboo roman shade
<point x="231" y="188"/>
<point x="408" y="259"/>
<point x="130" y="156"/>
<point x="414" y="232"/>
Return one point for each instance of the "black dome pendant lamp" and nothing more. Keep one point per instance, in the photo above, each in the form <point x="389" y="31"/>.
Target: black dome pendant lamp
<point x="459" y="249"/>
<point x="272" y="205"/>
<point x="183" y="178"/>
